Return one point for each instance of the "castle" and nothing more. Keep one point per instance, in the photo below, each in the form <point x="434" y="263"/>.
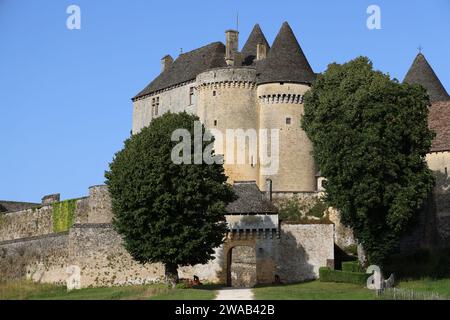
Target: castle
<point x="259" y="87"/>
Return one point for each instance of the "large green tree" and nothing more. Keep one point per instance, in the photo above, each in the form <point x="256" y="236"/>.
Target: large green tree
<point x="168" y="212"/>
<point x="370" y="138"/>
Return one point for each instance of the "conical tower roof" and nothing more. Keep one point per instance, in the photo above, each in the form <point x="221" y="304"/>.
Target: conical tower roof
<point x="286" y="61"/>
<point x="422" y="73"/>
<point x="249" y="50"/>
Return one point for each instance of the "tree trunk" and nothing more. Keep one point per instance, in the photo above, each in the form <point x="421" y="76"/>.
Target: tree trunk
<point x="171" y="274"/>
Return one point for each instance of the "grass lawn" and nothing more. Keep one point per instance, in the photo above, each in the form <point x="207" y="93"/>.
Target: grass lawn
<point x="24" y="290"/>
<point x="314" y="290"/>
<point x="441" y="287"/>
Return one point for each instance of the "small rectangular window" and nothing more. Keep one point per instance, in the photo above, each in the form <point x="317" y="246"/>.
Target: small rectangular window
<point x="288" y="121"/>
<point x="215" y="123"/>
<point x="191" y="96"/>
<point x="214" y="93"/>
<point x="155" y="106"/>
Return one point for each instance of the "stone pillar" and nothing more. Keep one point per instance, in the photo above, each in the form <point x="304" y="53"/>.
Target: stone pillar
<point x="100" y="210"/>
<point x="51" y="198"/>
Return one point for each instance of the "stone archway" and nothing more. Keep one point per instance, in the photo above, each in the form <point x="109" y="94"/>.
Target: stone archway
<point x="241" y="267"/>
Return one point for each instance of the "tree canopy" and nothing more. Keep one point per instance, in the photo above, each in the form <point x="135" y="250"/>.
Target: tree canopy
<point x="166" y="212"/>
<point x="370" y="136"/>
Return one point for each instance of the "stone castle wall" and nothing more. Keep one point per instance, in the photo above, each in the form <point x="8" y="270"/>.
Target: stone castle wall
<point x="41" y="258"/>
<point x="304" y="249"/>
<point x="91" y="244"/>
<point x="175" y="99"/>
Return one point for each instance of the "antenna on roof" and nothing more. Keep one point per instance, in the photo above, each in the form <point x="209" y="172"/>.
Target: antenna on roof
<point x="181" y="50"/>
<point x="420" y="49"/>
<point x="237" y="21"/>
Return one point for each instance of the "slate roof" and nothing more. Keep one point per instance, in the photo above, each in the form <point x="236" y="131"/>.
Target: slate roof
<point x="439" y="122"/>
<point x="250" y="200"/>
<point x="249" y="50"/>
<point x="422" y="73"/>
<point x="285" y="61"/>
<point x="187" y="66"/>
<point x="12" y="206"/>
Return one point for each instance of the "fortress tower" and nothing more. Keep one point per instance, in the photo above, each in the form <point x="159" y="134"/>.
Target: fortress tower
<point x="283" y="78"/>
<point x="251" y="92"/>
<point x="438" y="159"/>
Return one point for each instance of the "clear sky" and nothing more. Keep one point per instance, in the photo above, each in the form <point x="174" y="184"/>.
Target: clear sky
<point x="65" y="105"/>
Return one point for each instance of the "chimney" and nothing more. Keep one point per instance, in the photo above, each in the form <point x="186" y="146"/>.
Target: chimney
<point x="232" y="45"/>
<point x="261" y="51"/>
<point x="166" y="61"/>
<point x="269" y="190"/>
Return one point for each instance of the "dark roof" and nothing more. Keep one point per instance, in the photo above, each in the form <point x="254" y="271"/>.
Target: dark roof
<point x="439" y="122"/>
<point x="12" y="206"/>
<point x="422" y="73"/>
<point x="285" y="61"/>
<point x="249" y="50"/>
<point x="187" y="66"/>
<point x="250" y="200"/>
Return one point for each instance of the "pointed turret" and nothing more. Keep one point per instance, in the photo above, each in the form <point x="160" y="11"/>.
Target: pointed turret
<point x="249" y="50"/>
<point x="422" y="73"/>
<point x="286" y="61"/>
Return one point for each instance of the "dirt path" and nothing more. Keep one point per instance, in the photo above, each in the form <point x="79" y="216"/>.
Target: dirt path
<point x="235" y="294"/>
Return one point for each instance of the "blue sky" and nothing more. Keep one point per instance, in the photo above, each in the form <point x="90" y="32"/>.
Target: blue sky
<point x="65" y="105"/>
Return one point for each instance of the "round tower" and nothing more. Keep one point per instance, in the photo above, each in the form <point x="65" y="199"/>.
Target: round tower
<point x="227" y="104"/>
<point x="281" y="108"/>
<point x="284" y="76"/>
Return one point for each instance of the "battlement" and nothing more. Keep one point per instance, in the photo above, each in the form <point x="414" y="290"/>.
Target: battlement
<point x="56" y="217"/>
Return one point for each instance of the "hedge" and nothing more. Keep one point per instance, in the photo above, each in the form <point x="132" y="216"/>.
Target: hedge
<point x="328" y="275"/>
<point x="352" y="266"/>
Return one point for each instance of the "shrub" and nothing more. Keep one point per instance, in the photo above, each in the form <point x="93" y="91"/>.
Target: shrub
<point x="352" y="266"/>
<point x="421" y="263"/>
<point x="328" y="275"/>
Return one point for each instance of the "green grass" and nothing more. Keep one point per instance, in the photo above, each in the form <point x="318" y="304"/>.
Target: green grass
<point x="314" y="290"/>
<point x="441" y="286"/>
<point x="25" y="290"/>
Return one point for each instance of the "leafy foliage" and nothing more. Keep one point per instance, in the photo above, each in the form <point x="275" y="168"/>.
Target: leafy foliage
<point x="422" y="263"/>
<point x="370" y="138"/>
<point x="63" y="215"/>
<point x="166" y="212"/>
<point x="304" y="210"/>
